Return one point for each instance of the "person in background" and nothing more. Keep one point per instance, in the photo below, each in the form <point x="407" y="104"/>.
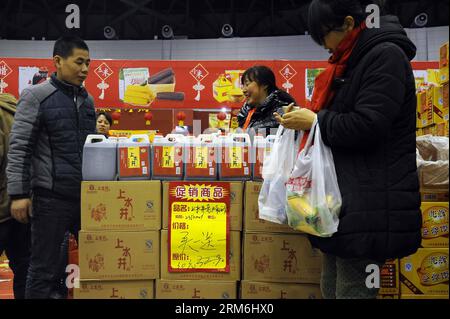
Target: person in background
<point x="52" y="122"/>
<point x="365" y="105"/>
<point x="263" y="98"/>
<point x="14" y="236"/>
<point x="104" y="123"/>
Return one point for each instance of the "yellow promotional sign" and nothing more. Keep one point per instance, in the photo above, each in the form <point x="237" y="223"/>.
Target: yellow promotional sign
<point x="198" y="227"/>
<point x="201" y="157"/>
<point x="236" y="157"/>
<point x="168" y="157"/>
<point x="134" y="157"/>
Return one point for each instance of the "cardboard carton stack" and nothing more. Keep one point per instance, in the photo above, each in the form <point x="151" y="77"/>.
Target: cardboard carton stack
<point x="278" y="262"/>
<point x="119" y="241"/>
<point x="203" y="285"/>
<point x="389" y="280"/>
<point x="424" y="275"/>
<point x="432" y="99"/>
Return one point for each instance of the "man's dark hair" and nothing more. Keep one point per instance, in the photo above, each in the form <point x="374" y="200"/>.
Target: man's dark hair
<point x="262" y="75"/>
<point x="329" y="15"/>
<point x="107" y="116"/>
<point x="64" y="46"/>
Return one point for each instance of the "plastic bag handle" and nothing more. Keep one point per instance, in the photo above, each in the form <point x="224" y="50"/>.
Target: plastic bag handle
<point x="311" y="135"/>
<point x="91" y="137"/>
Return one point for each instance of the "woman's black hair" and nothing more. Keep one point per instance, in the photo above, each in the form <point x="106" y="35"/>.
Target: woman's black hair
<point x="262" y="75"/>
<point x="329" y="15"/>
<point x="107" y="117"/>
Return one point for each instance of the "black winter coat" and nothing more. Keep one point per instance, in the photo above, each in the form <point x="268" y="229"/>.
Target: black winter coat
<point x="52" y="122"/>
<point x="370" y="127"/>
<point x="263" y="117"/>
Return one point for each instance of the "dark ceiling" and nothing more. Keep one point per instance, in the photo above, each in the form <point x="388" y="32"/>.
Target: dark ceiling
<point x="199" y="19"/>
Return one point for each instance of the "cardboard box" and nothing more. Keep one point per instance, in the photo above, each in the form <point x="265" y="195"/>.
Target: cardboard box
<point x="444" y="93"/>
<point x="423" y="297"/>
<point x="428" y="130"/>
<point x="443" y="75"/>
<point x="133" y="289"/>
<point x="195" y="289"/>
<point x="421" y="107"/>
<point x="119" y="255"/>
<point x="265" y="290"/>
<point x="434" y="195"/>
<point x="419" y="132"/>
<point x="435" y="224"/>
<point x="121" y="205"/>
<point x="221" y="87"/>
<point x="425" y="114"/>
<point x="440" y="129"/>
<point x="438" y="105"/>
<point x="425" y="272"/>
<point x="272" y="257"/>
<point x="251" y="213"/>
<point x="433" y="76"/>
<point x="443" y="55"/>
<point x="235" y="262"/>
<point x="390" y="281"/>
<point x="236" y="205"/>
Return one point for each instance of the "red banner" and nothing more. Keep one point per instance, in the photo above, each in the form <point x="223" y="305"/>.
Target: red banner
<point x="171" y="84"/>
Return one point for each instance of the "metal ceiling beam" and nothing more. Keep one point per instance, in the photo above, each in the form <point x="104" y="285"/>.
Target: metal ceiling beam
<point x="51" y="17"/>
<point x="251" y="5"/>
<point x="172" y="3"/>
<point x="84" y="22"/>
<point x="150" y="11"/>
<point x="4" y="19"/>
<point x="125" y="15"/>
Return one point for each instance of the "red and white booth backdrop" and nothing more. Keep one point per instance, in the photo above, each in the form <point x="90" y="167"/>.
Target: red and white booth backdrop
<point x="289" y="74"/>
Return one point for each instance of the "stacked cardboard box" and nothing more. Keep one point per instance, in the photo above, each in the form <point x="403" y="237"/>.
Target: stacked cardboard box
<point x="209" y="285"/>
<point x="432" y="106"/>
<point x="389" y="280"/>
<point x="443" y="63"/>
<point x="195" y="289"/>
<point x="432" y="99"/>
<point x="424" y="275"/>
<point x="278" y="262"/>
<point x="119" y="241"/>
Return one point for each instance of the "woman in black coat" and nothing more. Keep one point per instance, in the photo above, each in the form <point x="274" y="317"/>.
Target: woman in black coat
<point x="263" y="98"/>
<point x="368" y="119"/>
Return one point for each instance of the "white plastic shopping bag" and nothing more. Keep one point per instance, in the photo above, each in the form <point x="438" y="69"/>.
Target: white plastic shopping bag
<point x="313" y="197"/>
<point x="277" y="168"/>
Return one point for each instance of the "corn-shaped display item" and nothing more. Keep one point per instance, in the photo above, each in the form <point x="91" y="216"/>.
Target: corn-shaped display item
<point x="139" y="95"/>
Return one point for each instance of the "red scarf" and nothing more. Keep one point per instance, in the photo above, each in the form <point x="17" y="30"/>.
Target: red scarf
<point x="337" y="63"/>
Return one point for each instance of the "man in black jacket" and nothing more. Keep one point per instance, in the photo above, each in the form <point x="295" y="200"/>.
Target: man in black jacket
<point x="370" y="127"/>
<point x="44" y="161"/>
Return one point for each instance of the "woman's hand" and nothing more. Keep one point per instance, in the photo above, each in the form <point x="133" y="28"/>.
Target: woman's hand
<point x="298" y="119"/>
